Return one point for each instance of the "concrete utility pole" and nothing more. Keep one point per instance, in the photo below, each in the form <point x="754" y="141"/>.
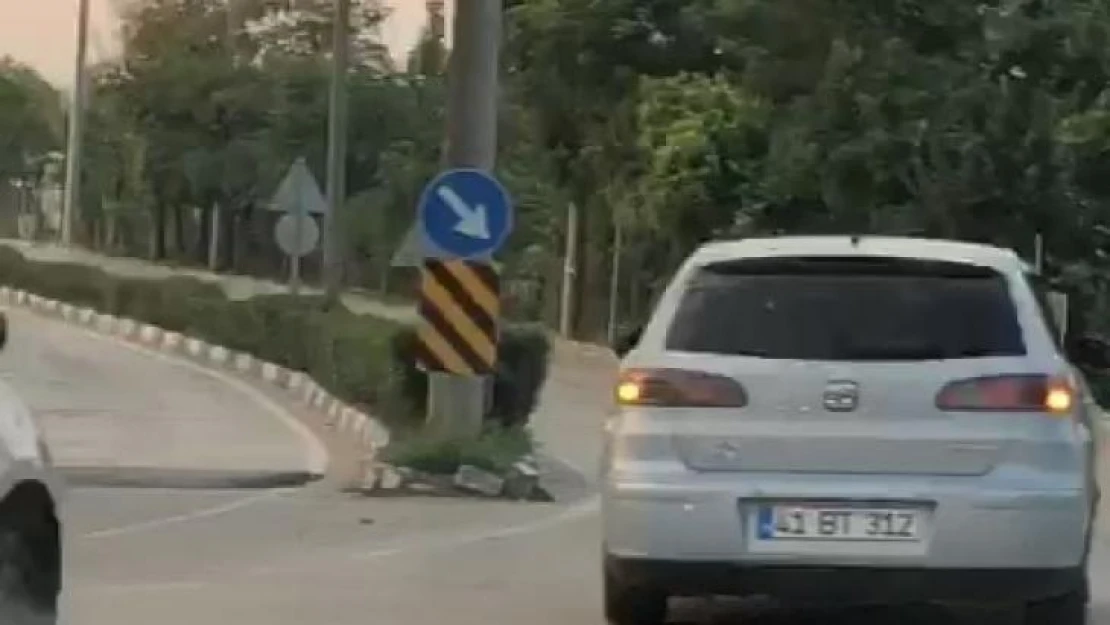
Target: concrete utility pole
<point x="570" y="270"/>
<point x="456" y="404"/>
<point x="76" y="128"/>
<point x="334" y="247"/>
<point x="615" y="281"/>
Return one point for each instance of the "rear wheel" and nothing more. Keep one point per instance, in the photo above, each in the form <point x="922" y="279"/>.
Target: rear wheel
<point x="1069" y="609"/>
<point x="30" y="559"/>
<point x="633" y="605"/>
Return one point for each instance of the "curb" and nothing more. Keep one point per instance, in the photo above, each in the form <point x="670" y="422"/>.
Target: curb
<point x="184" y="479"/>
<point x="342" y="418"/>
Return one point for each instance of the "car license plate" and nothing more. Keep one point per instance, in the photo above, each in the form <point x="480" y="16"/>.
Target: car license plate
<point x="786" y="522"/>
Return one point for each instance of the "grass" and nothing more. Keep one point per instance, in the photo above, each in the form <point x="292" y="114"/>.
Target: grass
<point x="495" y="450"/>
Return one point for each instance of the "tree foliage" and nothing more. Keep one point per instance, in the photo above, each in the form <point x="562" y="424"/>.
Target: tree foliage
<point x="31" y="122"/>
<point x="664" y="122"/>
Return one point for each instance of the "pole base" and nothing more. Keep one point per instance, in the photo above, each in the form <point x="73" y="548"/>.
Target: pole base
<point x="456" y="405"/>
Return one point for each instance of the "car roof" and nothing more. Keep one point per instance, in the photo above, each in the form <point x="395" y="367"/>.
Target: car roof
<point x="999" y="259"/>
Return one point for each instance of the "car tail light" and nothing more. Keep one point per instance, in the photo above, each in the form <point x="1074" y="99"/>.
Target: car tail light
<point x="1016" y="393"/>
<point x="679" y="388"/>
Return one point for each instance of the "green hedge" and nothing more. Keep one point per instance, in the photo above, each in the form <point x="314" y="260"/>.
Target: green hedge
<point x="495" y="451"/>
<point x="363" y="360"/>
<point x="522" y="355"/>
<point x="1099" y="383"/>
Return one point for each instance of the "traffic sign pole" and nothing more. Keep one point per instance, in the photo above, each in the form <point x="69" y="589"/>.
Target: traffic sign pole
<point x="295" y="259"/>
<point x="456" y="404"/>
<point x="296" y="233"/>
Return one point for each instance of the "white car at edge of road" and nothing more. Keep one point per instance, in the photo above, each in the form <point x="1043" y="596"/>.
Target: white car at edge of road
<point x="30" y="515"/>
<point x="851" y="420"/>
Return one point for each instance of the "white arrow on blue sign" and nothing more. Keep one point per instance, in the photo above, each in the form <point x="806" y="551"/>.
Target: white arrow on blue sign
<point x="464" y="213"/>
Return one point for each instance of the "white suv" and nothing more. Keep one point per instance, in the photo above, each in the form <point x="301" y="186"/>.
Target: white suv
<point x="850" y="420"/>
<point x="30" y="530"/>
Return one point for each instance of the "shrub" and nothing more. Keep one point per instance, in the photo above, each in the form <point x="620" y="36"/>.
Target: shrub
<point x="172" y="303"/>
<point x="496" y="451"/>
<point x="235" y="325"/>
<point x="409" y="383"/>
<point x="292" y="327"/>
<point x="352" y="357"/>
<point x="1099" y="384"/>
<point x="166" y="303"/>
<point x="12" y="266"/>
<point x="523" y="356"/>
<point x="77" y="284"/>
<point x="522" y="361"/>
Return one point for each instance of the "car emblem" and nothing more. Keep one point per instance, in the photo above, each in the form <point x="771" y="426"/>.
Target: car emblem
<point x="841" y="396"/>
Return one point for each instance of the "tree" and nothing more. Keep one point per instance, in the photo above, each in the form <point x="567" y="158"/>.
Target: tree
<point x="30" y="120"/>
<point x="677" y="120"/>
<point x="577" y="65"/>
<point x="429" y="56"/>
<point x="704" y="140"/>
<point x="304" y="29"/>
<point x="217" y="99"/>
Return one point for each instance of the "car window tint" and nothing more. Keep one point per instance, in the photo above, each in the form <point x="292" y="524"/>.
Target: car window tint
<point x="836" y="310"/>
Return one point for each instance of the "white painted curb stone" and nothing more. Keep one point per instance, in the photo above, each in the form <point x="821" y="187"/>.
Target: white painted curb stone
<point x="171" y="340"/>
<point x="218" y="354"/>
<point x="360" y="426"/>
<point x="194" y="347"/>
<point x="243" y="362"/>
<point x="150" y="334"/>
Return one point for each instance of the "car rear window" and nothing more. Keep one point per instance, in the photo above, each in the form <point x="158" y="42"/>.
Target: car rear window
<point x="847" y="309"/>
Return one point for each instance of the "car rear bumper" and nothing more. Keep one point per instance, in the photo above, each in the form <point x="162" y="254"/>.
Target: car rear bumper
<point x="809" y="585"/>
<point x="968" y="527"/>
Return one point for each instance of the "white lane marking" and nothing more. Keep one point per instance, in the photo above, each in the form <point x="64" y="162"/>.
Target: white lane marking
<point x="129" y="587"/>
<point x="574" y="512"/>
<point x="385" y="549"/>
<point x="193" y="515"/>
<point x="317" y="454"/>
<point x="577" y="511"/>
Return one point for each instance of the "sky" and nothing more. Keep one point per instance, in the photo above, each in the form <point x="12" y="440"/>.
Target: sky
<point x="42" y="33"/>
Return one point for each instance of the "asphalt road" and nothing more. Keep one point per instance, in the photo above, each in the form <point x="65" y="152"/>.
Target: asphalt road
<point x="163" y="553"/>
<point x="114" y="412"/>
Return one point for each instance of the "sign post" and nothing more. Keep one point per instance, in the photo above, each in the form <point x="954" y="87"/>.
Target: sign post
<point x="457" y="403"/>
<point x="297" y="235"/>
<point x="464" y="216"/>
<point x="296" y="232"/>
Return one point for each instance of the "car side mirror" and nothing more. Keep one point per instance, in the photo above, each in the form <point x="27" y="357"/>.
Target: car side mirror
<point x="1090" y="352"/>
<point x="627" y="342"/>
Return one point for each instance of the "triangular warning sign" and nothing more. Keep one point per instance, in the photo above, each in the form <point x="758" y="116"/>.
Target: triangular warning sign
<point x="298" y="192"/>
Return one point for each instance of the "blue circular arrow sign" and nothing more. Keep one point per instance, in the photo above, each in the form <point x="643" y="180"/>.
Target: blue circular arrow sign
<point x="464" y="213"/>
